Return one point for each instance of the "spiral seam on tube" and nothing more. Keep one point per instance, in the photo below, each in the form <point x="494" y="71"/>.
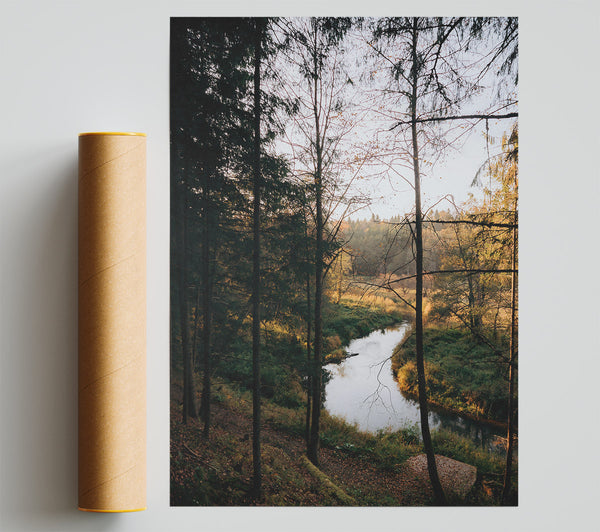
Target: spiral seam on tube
<point x="134" y="359"/>
<point x="107" y="481"/>
<point x="95" y="274"/>
<point x="81" y="177"/>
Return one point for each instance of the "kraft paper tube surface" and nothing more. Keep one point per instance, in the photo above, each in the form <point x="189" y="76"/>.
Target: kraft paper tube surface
<point x="112" y="322"/>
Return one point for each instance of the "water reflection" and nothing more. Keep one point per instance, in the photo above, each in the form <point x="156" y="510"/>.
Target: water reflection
<point x="363" y="391"/>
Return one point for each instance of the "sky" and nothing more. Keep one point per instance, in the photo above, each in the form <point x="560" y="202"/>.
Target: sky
<point x="451" y="176"/>
<point x="446" y="172"/>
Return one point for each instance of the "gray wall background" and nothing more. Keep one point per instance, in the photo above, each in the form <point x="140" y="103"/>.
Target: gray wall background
<point x="68" y="67"/>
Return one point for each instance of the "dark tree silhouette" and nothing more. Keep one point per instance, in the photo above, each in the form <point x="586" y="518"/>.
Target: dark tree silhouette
<point x="256" y="482"/>
<point x="314" y="43"/>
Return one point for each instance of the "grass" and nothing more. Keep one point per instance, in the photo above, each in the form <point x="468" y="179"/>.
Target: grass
<point x="219" y="472"/>
<point x="462" y="374"/>
<point x="283" y="347"/>
<point x="348" y="320"/>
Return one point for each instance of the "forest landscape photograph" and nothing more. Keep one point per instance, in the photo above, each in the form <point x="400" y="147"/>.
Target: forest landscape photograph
<point x="344" y="261"/>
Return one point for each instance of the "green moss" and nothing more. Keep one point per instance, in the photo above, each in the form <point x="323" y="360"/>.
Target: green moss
<point x="327" y="485"/>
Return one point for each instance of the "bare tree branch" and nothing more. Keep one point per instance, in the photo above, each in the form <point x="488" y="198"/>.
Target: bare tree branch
<point x="457" y="117"/>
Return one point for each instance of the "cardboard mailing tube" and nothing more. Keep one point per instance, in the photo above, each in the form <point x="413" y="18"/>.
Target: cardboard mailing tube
<point x="112" y="322"/>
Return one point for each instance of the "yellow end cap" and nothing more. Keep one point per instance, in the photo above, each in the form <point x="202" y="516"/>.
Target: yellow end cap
<point x="117" y="133"/>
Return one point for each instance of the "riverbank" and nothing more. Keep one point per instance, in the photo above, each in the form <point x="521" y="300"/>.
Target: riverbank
<point x="366" y="469"/>
<point x="345" y="321"/>
<point x="361" y="389"/>
<point x="444" y="410"/>
<point x="284" y="357"/>
<point x="356" y="467"/>
<point x="463" y="376"/>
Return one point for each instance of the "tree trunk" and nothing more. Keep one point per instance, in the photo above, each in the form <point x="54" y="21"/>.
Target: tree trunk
<point x="256" y="480"/>
<point x="341" y="278"/>
<point x="308" y="360"/>
<point x="196" y="328"/>
<point x="313" y="448"/>
<point x="189" y="395"/>
<point x="511" y="376"/>
<point x="422" y="385"/>
<point x="206" y="311"/>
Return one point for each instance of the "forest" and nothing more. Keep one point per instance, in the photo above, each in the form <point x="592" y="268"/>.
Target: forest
<point x="324" y="245"/>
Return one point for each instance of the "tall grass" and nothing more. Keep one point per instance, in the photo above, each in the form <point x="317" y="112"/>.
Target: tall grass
<point x="462" y="373"/>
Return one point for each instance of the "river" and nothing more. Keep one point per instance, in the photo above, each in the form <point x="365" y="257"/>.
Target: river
<point x="362" y="390"/>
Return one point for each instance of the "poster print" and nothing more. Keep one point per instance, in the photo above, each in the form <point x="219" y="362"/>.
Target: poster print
<point x="344" y="261"/>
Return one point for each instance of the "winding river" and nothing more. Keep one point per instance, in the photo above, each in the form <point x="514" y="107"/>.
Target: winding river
<point x="362" y="390"/>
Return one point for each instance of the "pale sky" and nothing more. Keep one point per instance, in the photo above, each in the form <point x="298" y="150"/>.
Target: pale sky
<point x="447" y="171"/>
<point x="451" y="175"/>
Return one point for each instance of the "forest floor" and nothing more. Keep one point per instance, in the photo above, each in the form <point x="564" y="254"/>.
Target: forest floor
<point x="219" y="471"/>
